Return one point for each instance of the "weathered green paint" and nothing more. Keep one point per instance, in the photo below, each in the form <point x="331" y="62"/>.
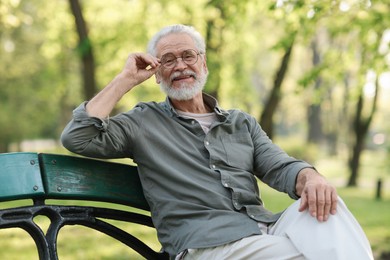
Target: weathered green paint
<point x="52" y="176"/>
<point x="20" y="176"/>
<point x="69" y="177"/>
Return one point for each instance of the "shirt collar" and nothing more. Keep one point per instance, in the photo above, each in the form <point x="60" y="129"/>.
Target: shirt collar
<point x="209" y="100"/>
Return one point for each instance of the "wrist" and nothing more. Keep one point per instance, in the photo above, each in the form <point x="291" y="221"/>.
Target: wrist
<point x="303" y="177"/>
<point x="123" y="82"/>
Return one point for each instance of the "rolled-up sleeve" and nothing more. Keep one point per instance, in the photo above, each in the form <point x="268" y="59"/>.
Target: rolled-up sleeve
<point x="273" y="166"/>
<point x="95" y="137"/>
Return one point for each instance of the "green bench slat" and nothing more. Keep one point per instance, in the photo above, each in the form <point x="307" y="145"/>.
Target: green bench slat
<point x="20" y="176"/>
<point x="69" y="177"/>
<point x="51" y="176"/>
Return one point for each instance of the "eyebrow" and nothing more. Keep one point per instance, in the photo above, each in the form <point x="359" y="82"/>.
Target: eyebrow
<point x="178" y="51"/>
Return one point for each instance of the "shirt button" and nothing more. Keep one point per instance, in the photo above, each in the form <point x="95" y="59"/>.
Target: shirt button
<point x="225" y="184"/>
<point x="213" y="166"/>
<point x="193" y="122"/>
<point x="207" y="143"/>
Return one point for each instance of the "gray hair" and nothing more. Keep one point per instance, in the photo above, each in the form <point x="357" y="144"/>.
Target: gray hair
<point x="177" y="28"/>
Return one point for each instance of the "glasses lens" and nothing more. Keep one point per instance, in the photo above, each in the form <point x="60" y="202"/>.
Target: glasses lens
<point x="168" y="60"/>
<point x="190" y="57"/>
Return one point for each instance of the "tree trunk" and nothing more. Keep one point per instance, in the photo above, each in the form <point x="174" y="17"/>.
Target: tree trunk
<point x="85" y="51"/>
<point x="266" y="118"/>
<point x="360" y="128"/>
<point x="354" y="161"/>
<point x="359" y="131"/>
<point x="213" y="47"/>
<point x="315" y="133"/>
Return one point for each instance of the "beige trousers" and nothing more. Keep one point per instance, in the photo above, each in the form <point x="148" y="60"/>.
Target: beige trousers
<point x="297" y="235"/>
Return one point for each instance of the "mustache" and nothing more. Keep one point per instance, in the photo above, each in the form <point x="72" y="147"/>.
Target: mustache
<point x="183" y="73"/>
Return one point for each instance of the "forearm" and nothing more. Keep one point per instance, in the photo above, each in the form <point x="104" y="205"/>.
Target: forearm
<point x="90" y="133"/>
<point x="94" y="137"/>
<point x="138" y="68"/>
<point x="104" y="102"/>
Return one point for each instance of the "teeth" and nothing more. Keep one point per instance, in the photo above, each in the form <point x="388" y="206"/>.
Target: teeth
<point x="183" y="77"/>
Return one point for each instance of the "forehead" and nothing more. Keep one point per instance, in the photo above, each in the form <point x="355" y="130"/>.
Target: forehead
<point x="175" y="43"/>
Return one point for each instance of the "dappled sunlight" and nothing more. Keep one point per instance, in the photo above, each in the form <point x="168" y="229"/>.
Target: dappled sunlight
<point x="315" y="75"/>
<point x="78" y="242"/>
<point x="17" y="242"/>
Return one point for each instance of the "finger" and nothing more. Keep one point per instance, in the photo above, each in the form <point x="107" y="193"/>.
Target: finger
<point x="303" y="205"/>
<point x="154" y="64"/>
<point x="328" y="204"/>
<point x="312" y="201"/>
<point x="320" y="205"/>
<point x="333" y="208"/>
<point x="147" y="73"/>
<point x="145" y="61"/>
<point x="151" y="61"/>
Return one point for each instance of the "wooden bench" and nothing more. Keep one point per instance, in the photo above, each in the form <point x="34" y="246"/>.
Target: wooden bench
<point x="43" y="177"/>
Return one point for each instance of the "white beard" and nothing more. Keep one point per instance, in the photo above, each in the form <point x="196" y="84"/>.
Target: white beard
<point x="185" y="91"/>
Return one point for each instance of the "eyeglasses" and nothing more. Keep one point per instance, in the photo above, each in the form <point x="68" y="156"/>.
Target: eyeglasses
<point x="189" y="57"/>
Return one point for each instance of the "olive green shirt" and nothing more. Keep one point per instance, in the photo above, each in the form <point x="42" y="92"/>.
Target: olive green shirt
<point x="201" y="188"/>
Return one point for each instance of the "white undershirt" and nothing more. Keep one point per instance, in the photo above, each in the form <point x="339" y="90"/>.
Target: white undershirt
<point x="205" y="120"/>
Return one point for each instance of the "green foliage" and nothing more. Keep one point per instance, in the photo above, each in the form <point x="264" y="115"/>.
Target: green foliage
<point x="40" y="71"/>
<point x="295" y="147"/>
<point x="40" y="79"/>
<point x="28" y="88"/>
<point x="40" y="75"/>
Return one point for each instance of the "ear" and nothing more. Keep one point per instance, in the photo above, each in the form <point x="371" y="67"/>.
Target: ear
<point x="158" y="77"/>
<point x="205" y="64"/>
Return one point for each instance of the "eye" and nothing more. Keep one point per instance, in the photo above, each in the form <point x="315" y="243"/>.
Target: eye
<point x="188" y="55"/>
<point x="168" y="58"/>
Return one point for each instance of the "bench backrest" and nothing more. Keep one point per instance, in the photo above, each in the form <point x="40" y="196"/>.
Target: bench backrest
<point x="67" y="177"/>
<point x="53" y="176"/>
<point x="20" y="176"/>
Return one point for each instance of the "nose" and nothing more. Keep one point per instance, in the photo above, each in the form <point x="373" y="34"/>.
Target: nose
<point x="180" y="64"/>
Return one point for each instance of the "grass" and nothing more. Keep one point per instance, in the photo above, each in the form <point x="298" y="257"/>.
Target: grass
<point x="76" y="242"/>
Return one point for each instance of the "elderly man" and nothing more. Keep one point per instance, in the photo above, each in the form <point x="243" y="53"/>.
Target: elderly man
<point x="198" y="162"/>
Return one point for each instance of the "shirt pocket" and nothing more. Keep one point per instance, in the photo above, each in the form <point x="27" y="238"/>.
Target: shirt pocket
<point x="239" y="150"/>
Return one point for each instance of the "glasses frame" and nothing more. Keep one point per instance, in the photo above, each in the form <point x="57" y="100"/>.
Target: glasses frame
<point x="177" y="57"/>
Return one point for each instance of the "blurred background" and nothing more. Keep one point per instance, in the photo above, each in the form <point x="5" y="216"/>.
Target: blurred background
<point x="315" y="73"/>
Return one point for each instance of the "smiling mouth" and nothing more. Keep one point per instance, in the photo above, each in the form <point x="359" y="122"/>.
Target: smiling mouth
<point x="183" y="77"/>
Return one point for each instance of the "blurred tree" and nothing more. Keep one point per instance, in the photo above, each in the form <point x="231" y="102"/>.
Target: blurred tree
<point x="84" y="50"/>
<point x="360" y="35"/>
<point x="361" y="125"/>
<point x="299" y="19"/>
<point x="370" y="25"/>
<point x="221" y="18"/>
<point x="253" y="50"/>
<point x="315" y="132"/>
<point x="355" y="31"/>
<point x="28" y="88"/>
<point x="266" y="118"/>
